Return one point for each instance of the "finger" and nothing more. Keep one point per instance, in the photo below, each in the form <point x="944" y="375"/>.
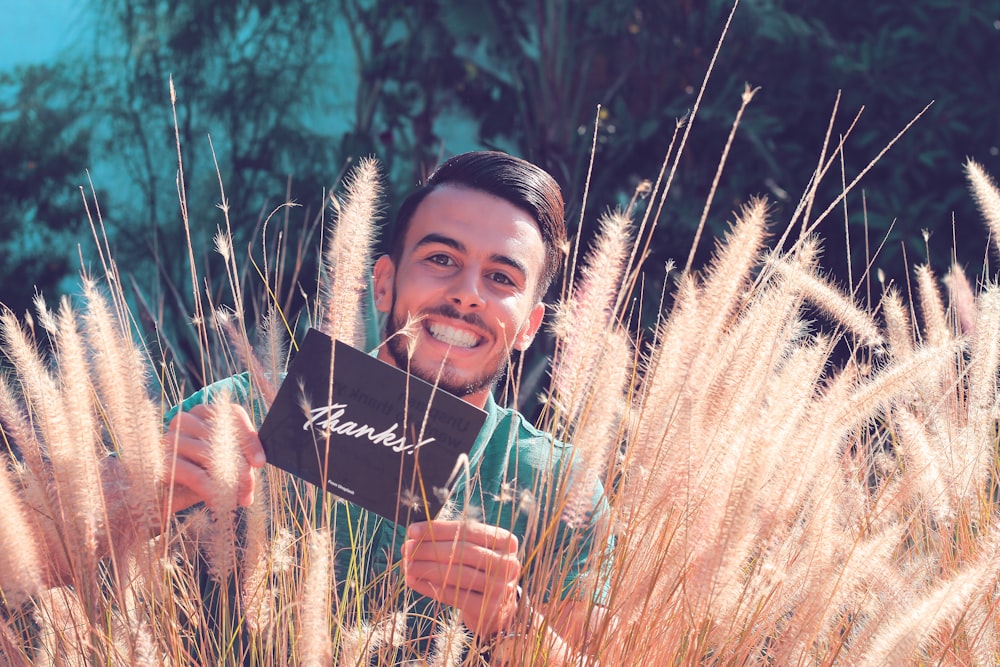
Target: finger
<point x="457" y="577"/>
<point x="493" y="538"/>
<point x="194" y="474"/>
<point x="192" y="457"/>
<point x="463" y="554"/>
<point x="194" y="424"/>
<point x="248" y="482"/>
<point x="449" y="595"/>
<point x="193" y="484"/>
<point x="199" y="453"/>
<point x="250" y="445"/>
<point x="197" y="423"/>
<point x="193" y="478"/>
<point x="182" y="446"/>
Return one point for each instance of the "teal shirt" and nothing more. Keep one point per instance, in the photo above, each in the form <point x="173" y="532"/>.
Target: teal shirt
<point x="513" y="466"/>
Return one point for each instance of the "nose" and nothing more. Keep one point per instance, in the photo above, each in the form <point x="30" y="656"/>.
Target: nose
<point x="464" y="291"/>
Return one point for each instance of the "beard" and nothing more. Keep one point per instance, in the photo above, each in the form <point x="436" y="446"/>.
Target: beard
<point x="445" y="378"/>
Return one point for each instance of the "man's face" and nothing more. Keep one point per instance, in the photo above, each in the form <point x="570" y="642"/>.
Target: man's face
<point x="470" y="269"/>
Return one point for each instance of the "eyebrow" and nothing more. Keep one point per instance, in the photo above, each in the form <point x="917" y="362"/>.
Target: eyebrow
<point x="460" y="247"/>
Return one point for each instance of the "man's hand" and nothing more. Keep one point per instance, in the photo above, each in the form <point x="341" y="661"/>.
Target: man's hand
<point x="470" y="566"/>
<point x="189" y="454"/>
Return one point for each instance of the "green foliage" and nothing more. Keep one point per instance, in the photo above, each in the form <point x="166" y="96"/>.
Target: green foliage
<point x="403" y="53"/>
<point x="44" y="150"/>
<point x="247" y="74"/>
<point x="263" y="78"/>
<point x="890" y="59"/>
<point x="537" y="71"/>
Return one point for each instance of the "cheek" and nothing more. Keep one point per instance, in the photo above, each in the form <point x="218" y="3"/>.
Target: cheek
<point x="410" y="291"/>
<point x="418" y="282"/>
<point x="512" y="319"/>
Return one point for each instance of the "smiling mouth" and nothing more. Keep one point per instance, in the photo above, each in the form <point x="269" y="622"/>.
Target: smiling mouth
<point x="452" y="336"/>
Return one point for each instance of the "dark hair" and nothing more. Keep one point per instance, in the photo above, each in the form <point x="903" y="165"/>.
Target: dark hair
<point x="512" y="179"/>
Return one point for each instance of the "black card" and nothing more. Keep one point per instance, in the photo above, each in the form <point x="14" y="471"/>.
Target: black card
<point x="352" y="440"/>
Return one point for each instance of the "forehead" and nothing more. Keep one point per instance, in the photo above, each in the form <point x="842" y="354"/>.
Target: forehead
<point x="483" y="223"/>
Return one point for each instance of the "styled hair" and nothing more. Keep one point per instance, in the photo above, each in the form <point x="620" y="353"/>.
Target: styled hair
<point x="510" y="178"/>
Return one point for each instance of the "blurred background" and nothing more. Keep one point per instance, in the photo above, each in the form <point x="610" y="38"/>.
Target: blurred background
<point x="285" y="94"/>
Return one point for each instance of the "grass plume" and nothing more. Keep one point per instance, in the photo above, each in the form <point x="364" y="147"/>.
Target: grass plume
<point x="987" y="196"/>
<point x="774" y="491"/>
<point x="21" y="559"/>
<point x="347" y="256"/>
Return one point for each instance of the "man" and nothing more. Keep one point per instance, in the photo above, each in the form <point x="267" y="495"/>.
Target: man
<point x="472" y="254"/>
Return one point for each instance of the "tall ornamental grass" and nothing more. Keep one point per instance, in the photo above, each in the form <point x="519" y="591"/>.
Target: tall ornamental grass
<point x="791" y="478"/>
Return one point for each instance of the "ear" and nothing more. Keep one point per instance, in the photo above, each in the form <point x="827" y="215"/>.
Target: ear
<point x="383" y="279"/>
<point x="528" y="331"/>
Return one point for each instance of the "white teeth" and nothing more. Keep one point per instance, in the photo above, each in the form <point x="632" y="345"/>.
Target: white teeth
<point x="453" y="336"/>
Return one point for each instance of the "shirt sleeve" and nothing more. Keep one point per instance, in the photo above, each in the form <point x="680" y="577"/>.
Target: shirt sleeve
<point x="237" y="386"/>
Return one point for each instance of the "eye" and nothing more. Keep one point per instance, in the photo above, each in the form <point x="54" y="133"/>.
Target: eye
<point x="440" y="259"/>
<point x="502" y="279"/>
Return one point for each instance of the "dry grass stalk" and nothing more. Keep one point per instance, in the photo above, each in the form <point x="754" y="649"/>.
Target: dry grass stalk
<point x="925" y="463"/>
<point x="262" y="379"/>
<point x="769" y="506"/>
<point x="591" y="369"/>
<point x="132" y="420"/>
<point x="257" y="594"/>
<point x="585" y="319"/>
<point x="899" y="333"/>
<point x="730" y="270"/>
<point x="904" y="639"/>
<point x="347" y="256"/>
<point x="225" y="461"/>
<point x="975" y="445"/>
<point x="449" y="643"/>
<point x="833" y="302"/>
<point x="962" y="298"/>
<point x="65" y="420"/>
<point x="315" y="644"/>
<point x="596" y="432"/>
<point x="987" y="196"/>
<point x="21" y="559"/>
<point x="932" y="307"/>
